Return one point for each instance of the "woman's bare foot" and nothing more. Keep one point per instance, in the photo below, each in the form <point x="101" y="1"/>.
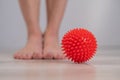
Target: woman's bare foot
<point x="52" y="48"/>
<point x="32" y="50"/>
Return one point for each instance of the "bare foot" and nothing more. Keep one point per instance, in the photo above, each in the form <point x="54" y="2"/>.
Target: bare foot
<point x="52" y="48"/>
<point x="32" y="50"/>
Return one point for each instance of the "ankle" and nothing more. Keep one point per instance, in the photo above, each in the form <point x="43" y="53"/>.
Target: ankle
<point x="34" y="36"/>
<point x="51" y="33"/>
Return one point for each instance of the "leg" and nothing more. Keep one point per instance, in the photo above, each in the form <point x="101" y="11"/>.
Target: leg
<point x="33" y="48"/>
<point x="55" y="12"/>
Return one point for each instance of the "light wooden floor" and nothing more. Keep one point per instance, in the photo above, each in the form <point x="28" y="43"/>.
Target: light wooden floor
<point x="104" y="66"/>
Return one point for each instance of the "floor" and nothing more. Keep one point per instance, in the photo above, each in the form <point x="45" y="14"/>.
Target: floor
<point x="104" y="66"/>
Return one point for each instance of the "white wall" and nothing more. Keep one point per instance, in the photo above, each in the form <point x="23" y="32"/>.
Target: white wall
<point x="102" y="17"/>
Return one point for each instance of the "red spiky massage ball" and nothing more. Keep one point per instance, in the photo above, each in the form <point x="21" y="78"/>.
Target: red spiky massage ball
<point x="79" y="45"/>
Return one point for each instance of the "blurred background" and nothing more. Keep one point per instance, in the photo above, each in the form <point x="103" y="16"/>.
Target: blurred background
<point x="102" y="17"/>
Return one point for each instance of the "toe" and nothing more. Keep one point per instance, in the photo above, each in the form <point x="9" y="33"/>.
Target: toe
<point x="26" y="56"/>
<point x="59" y="56"/>
<point x="23" y="56"/>
<point x="48" y="56"/>
<point x="56" y="56"/>
<point x="37" y="55"/>
<point x="15" y="55"/>
<point x="62" y="56"/>
<point x="29" y="56"/>
<point x="18" y="56"/>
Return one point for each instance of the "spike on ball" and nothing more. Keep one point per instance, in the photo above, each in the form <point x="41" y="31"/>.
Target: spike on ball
<point x="79" y="45"/>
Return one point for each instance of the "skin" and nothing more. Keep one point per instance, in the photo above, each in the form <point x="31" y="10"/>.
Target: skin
<point x="55" y="13"/>
<point x="40" y="45"/>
